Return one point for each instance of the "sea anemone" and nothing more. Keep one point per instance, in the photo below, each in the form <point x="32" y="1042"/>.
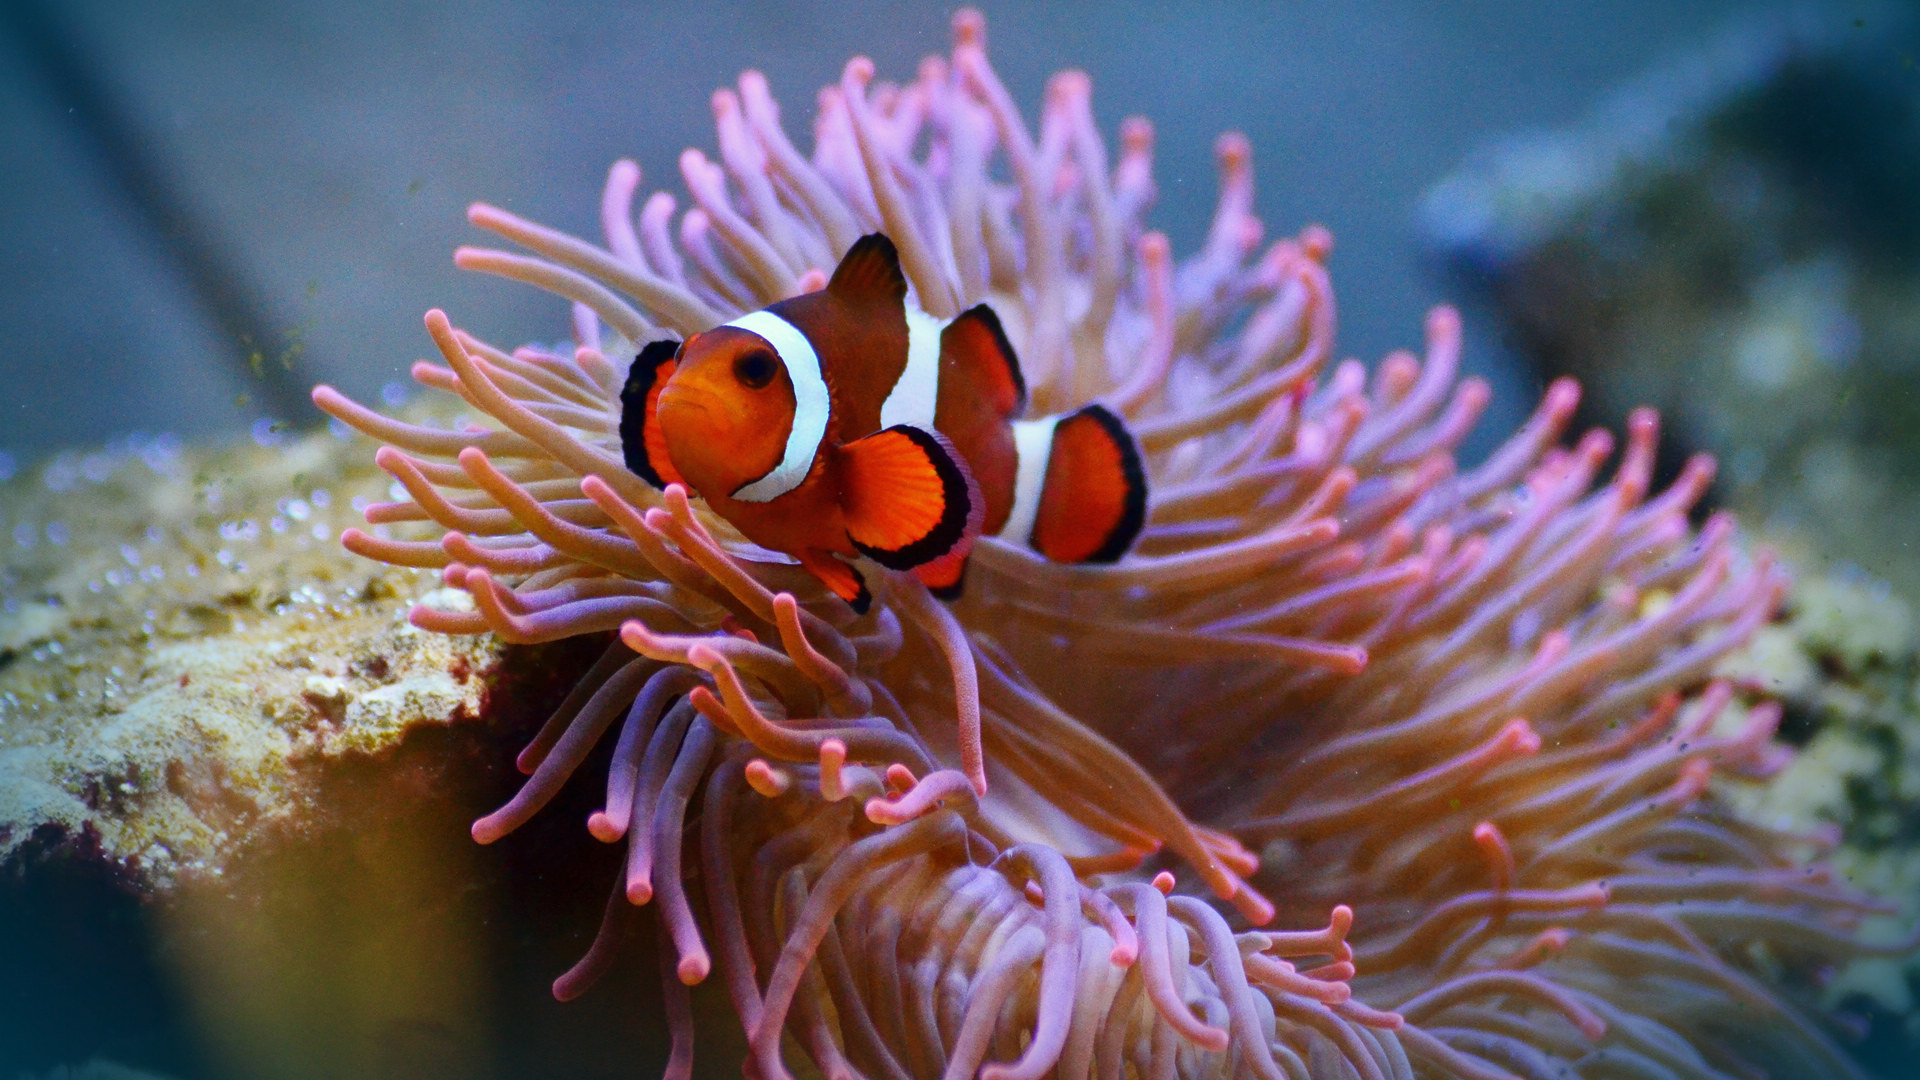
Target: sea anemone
<point x="1468" y="719"/>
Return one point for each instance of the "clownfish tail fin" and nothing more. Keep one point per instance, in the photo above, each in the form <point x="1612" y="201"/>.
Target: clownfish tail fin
<point x="844" y="580"/>
<point x="908" y="497"/>
<point x="641" y="443"/>
<point x="1094" y="499"/>
<point x="975" y="347"/>
<point x="870" y="275"/>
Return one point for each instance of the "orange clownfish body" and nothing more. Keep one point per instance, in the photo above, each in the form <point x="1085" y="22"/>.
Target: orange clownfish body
<point x="846" y="422"/>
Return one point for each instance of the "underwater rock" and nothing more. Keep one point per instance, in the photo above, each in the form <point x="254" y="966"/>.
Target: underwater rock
<point x="1845" y="661"/>
<point x="235" y="787"/>
<point x="1733" y="238"/>
<point x="184" y="640"/>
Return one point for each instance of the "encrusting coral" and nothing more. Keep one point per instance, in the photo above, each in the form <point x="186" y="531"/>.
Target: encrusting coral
<point x="1468" y="718"/>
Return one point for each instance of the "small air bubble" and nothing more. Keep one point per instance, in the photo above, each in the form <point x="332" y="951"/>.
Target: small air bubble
<point x="338" y="428"/>
<point x="58" y="533"/>
<point x="115" y="579"/>
<point x="321" y="498"/>
<point x="397" y="491"/>
<point x="131" y="554"/>
<point x="96" y="467"/>
<point x="24" y="535"/>
<point x="394" y="393"/>
<point x="278" y="524"/>
<point x="321" y="532"/>
<point x="154" y="535"/>
<point x="266" y="432"/>
<point x="8" y="466"/>
<point x="297" y="509"/>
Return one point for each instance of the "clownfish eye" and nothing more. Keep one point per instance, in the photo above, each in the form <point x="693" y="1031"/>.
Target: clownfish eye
<point x="755" y="369"/>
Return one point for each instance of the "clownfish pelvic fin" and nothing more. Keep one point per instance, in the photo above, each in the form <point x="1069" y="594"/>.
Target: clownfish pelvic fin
<point x="946" y="576"/>
<point x="838" y="576"/>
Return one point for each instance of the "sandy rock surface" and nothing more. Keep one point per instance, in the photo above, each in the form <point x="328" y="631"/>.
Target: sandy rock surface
<point x="182" y="637"/>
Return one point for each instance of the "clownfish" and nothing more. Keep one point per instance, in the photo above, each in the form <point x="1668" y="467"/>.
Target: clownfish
<point x="847" y="422"/>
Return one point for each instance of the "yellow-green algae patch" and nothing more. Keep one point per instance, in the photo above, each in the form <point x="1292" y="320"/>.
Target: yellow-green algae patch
<point x="182" y="636"/>
<point x="1845" y="660"/>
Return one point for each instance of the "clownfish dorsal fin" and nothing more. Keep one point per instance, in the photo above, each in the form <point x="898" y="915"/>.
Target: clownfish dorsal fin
<point x="908" y="497"/>
<point x="1094" y="499"/>
<point x="974" y="346"/>
<point x="641" y="442"/>
<point x="869" y="276"/>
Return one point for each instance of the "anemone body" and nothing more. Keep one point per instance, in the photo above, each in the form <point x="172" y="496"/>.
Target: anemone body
<point x="1467" y="720"/>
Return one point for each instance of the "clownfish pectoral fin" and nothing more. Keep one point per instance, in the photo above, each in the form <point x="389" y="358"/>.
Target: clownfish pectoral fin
<point x="844" y="580"/>
<point x="870" y="275"/>
<point x="908" y="497"/>
<point x="1094" y="499"/>
<point x="641" y="442"/>
<point x="946" y="576"/>
<point x="975" y="347"/>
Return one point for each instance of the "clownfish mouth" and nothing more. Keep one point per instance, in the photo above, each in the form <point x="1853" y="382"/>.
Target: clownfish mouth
<point x="686" y="399"/>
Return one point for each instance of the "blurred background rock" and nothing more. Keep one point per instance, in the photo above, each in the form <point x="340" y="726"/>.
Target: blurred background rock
<point x="1734" y="238"/>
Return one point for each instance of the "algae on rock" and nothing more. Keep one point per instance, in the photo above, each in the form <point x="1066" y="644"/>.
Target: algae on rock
<point x="180" y="632"/>
<point x="1845" y="660"/>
